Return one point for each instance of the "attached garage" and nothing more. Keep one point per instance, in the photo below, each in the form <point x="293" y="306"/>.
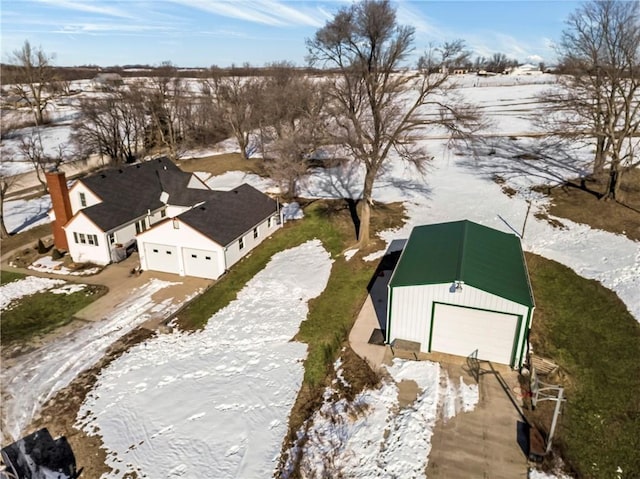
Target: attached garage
<point x="462" y="288"/>
<point x="205" y="241"/>
<point x="161" y="257"/>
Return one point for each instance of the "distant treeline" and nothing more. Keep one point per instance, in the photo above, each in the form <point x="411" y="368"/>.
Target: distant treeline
<point x="11" y="73"/>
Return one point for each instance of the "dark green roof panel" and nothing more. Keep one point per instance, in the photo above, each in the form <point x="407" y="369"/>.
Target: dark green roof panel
<point x="479" y="256"/>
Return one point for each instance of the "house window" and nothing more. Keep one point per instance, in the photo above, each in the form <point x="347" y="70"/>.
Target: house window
<point x="269" y="222"/>
<point x="194" y="255"/>
<point x="83" y="200"/>
<point x="75" y="237"/>
<point x="168" y="252"/>
<point x="241" y="243"/>
<point x="141" y="226"/>
<point x="163" y="213"/>
<point x="255" y="233"/>
<point x="83" y="239"/>
<point x="111" y="237"/>
<point x="208" y="258"/>
<point x="155" y="250"/>
<point x="92" y="240"/>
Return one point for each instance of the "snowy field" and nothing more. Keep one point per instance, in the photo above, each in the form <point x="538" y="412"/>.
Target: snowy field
<point x="212" y="403"/>
<point x="372" y="436"/>
<point x="239" y="362"/>
<point x="28" y="384"/>
<point x="21" y="215"/>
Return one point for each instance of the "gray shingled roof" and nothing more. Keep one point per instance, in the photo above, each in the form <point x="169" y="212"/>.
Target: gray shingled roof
<point x="231" y="214"/>
<point x="129" y="192"/>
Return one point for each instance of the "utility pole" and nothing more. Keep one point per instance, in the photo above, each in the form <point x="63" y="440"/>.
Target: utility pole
<point x="526" y="217"/>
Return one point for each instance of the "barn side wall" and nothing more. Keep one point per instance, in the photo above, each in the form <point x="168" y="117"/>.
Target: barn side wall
<point x="410" y="310"/>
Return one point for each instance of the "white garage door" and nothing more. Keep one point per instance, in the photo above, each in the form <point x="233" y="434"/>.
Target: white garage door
<point x="161" y="257"/>
<point x="461" y="331"/>
<point x="200" y="263"/>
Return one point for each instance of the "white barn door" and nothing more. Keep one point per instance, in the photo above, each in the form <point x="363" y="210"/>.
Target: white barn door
<point x="460" y="331"/>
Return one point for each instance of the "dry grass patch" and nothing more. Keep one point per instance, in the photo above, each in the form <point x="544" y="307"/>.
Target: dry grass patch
<point x="26" y="238"/>
<point x="220" y="164"/>
<point x="587" y="330"/>
<point x="585" y="206"/>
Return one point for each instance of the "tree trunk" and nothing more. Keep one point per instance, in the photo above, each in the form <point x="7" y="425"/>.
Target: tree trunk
<point x="40" y="171"/>
<point x="365" y="208"/>
<point x="3" y="229"/>
<point x="243" y="143"/>
<point x="613" y="187"/>
<point x="600" y="158"/>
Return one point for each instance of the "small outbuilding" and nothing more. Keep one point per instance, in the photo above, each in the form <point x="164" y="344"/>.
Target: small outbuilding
<point x="460" y="288"/>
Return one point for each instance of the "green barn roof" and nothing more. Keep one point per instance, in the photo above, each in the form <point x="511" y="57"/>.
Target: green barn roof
<point x="479" y="256"/>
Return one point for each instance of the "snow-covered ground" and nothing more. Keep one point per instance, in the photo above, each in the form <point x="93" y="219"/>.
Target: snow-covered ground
<point x="212" y="403"/>
<point x="372" y="436"/>
<point x="25" y="287"/>
<point x="40" y="373"/>
<point x="48" y="265"/>
<point x="14" y="161"/>
<point x="21" y="215"/>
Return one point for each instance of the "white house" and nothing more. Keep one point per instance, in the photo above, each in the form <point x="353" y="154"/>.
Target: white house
<point x="208" y="239"/>
<point x="102" y="215"/>
<point x="462" y="288"/>
<point x="526" y="69"/>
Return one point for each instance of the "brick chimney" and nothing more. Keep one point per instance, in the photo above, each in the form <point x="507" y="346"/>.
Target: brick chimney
<point x="57" y="183"/>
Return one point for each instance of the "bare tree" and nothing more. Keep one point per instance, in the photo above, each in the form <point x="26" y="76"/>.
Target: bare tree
<point x="168" y="104"/>
<point x="378" y="108"/>
<point x="290" y="116"/>
<point x="600" y="51"/>
<point x="33" y="79"/>
<point x="453" y="54"/>
<point x="32" y="149"/>
<point x="234" y="97"/>
<point x="112" y="125"/>
<point x="6" y="182"/>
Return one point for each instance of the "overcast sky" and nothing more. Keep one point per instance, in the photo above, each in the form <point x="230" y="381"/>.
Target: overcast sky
<point x="200" y="33"/>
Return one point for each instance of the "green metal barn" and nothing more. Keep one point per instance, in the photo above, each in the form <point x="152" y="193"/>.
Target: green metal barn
<point x="461" y="287"/>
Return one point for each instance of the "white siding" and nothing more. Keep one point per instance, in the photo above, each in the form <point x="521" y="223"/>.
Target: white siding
<point x="84" y="253"/>
<point x="74" y="197"/>
<point x="125" y="234"/>
<point x="412" y="306"/>
<point x="233" y="253"/>
<point x="156" y="217"/>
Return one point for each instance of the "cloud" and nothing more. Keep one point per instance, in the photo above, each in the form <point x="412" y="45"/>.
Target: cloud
<point x="535" y="59"/>
<point x="73" y="28"/>
<point x="88" y="7"/>
<point x="266" y="12"/>
<point x="425" y="27"/>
